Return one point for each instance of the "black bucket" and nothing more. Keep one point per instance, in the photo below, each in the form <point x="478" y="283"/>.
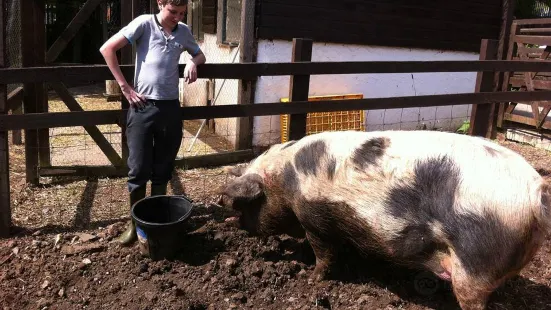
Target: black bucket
<point x="160" y="223"/>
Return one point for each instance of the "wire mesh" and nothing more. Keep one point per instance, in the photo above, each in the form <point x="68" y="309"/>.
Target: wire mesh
<point x="218" y="135"/>
<point x="13" y="38"/>
<point x="232" y="23"/>
<point x="326" y="121"/>
<point x="113" y="17"/>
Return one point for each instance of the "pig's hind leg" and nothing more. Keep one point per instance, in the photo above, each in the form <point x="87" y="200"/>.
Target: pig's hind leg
<point x="485" y="254"/>
<point x="326" y="255"/>
<point x="473" y="287"/>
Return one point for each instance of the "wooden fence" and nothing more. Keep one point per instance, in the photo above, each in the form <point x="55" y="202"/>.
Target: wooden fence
<point x="484" y="100"/>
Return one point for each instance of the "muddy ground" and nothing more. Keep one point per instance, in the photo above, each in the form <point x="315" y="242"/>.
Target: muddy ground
<point x="44" y="266"/>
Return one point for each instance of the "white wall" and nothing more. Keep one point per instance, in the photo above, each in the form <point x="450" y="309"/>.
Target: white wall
<point x="225" y="92"/>
<point x="271" y="88"/>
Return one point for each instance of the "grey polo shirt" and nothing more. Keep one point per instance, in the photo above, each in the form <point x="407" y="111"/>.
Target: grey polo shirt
<point x="157" y="56"/>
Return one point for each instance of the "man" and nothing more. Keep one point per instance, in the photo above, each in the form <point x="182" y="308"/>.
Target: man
<point x="154" y="124"/>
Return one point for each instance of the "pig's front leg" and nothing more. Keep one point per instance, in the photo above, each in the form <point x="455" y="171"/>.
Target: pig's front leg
<point x="325" y="258"/>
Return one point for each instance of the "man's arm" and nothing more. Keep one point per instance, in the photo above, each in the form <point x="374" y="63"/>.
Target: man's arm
<point x="190" y="71"/>
<point x="109" y="51"/>
<point x="199" y="59"/>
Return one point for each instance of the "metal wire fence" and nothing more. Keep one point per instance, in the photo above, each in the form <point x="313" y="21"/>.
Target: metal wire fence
<point x="113" y="17"/>
<point x="13" y="37"/>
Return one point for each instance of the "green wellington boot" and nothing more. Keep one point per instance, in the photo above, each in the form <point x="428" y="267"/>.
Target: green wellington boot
<point x="129" y="236"/>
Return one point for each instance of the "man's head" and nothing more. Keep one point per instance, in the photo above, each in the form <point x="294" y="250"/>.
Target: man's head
<point x="172" y="11"/>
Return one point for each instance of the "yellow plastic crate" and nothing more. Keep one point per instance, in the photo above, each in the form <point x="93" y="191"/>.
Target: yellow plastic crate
<point x="326" y="121"/>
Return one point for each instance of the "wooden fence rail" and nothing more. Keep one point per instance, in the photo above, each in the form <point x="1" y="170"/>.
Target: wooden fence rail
<point x="104" y="117"/>
<point x="247" y="71"/>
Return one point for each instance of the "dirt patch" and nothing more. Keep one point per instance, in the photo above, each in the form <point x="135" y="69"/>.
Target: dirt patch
<point x="63" y="256"/>
<point x="222" y="267"/>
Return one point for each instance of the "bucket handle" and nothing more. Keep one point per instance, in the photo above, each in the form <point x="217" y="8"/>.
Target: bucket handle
<point x="181" y="218"/>
<point x="185" y="197"/>
<point x="193" y="204"/>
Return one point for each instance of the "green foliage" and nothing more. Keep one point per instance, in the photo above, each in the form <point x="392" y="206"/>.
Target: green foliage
<point x="464" y="128"/>
<point x="531" y="8"/>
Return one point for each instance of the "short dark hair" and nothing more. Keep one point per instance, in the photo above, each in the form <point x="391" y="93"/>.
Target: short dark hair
<point x="174" y="2"/>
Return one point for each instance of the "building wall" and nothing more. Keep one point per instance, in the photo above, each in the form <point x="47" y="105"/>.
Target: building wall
<point x="271" y="89"/>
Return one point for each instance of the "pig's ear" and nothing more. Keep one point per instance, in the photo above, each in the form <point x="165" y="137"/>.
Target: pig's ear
<point x="235" y="170"/>
<point x="247" y="187"/>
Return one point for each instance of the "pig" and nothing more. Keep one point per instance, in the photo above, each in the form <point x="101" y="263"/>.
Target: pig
<point x="464" y="208"/>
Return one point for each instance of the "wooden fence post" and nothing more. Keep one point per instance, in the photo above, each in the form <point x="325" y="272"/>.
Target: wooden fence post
<point x="299" y="88"/>
<point x="503" y="53"/>
<point x="32" y="91"/>
<point x="41" y="89"/>
<point x="5" y="208"/>
<point x="127" y="14"/>
<point x="482" y="120"/>
<point x="245" y="93"/>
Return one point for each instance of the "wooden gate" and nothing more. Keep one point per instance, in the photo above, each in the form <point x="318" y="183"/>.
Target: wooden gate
<point x="34" y="54"/>
<point x="530" y="39"/>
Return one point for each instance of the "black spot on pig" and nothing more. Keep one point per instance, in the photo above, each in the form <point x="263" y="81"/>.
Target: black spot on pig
<point x="486" y="245"/>
<point x="371" y="150"/>
<point x="288" y="144"/>
<point x="333" y="227"/>
<point x="546" y="196"/>
<point x="331" y="166"/>
<point x="290" y="179"/>
<point x="482" y="243"/>
<point x="308" y="158"/>
<point x="431" y="193"/>
<point x="414" y="243"/>
<point x="273" y="213"/>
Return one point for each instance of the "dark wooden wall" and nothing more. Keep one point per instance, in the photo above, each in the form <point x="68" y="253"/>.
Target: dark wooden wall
<point x="442" y="24"/>
<point x="209" y="10"/>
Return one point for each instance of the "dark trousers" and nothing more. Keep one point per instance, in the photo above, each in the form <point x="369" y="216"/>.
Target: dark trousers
<point x="154" y="135"/>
